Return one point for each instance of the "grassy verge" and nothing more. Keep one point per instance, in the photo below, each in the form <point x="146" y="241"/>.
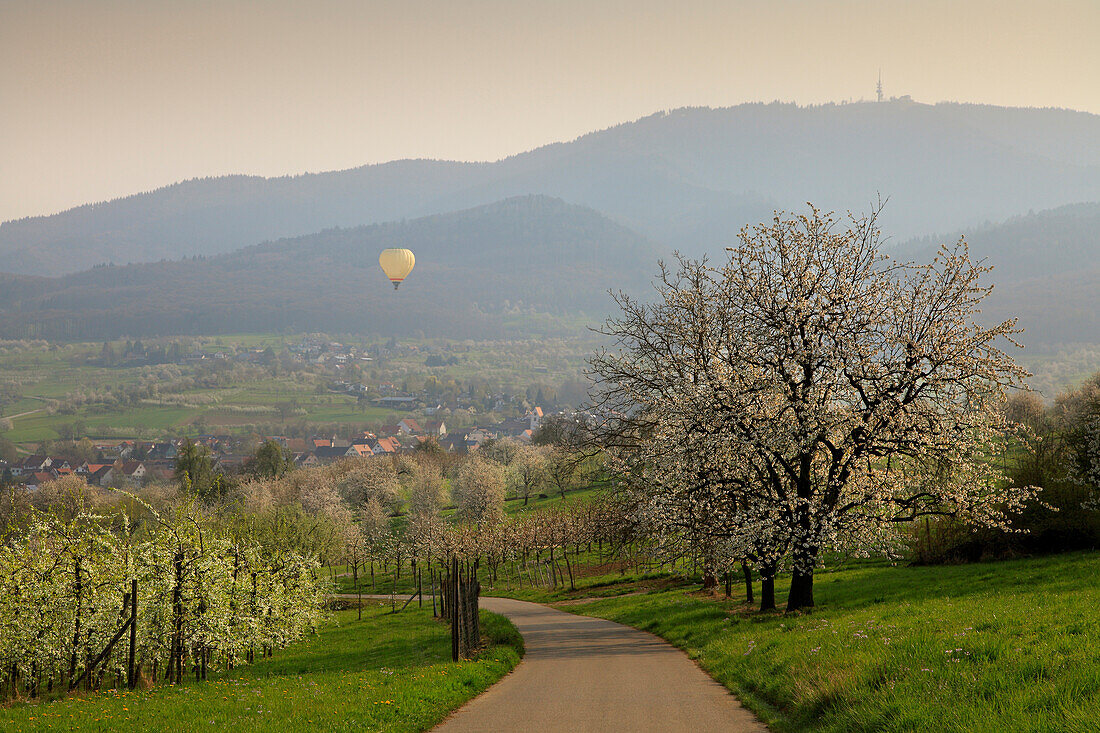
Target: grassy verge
<point x="998" y="647"/>
<point x="384" y="673"/>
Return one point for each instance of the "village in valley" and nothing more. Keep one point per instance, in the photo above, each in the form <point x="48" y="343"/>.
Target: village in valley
<point x="420" y="407"/>
<point x="134" y="463"/>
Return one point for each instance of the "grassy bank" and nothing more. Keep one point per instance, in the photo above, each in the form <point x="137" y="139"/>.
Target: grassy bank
<point x="1008" y="646"/>
<point x="384" y="673"/>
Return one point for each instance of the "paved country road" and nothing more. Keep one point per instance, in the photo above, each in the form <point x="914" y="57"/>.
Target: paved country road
<point x="588" y="674"/>
<point x="583" y="674"/>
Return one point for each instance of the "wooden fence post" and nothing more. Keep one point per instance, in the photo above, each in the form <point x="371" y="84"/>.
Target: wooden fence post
<point x="131" y="677"/>
<point x="453" y="607"/>
<point x="475" y="592"/>
<point x="442" y="592"/>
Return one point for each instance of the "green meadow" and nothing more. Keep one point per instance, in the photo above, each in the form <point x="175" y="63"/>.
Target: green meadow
<point x="386" y="672"/>
<point x="984" y="648"/>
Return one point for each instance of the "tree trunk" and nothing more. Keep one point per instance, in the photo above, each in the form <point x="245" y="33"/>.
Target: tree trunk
<point x="358" y="590"/>
<point x="747" y="569"/>
<point x="802" y="581"/>
<point x="805" y="555"/>
<point x="767" y="588"/>
<point x="802" y="590"/>
<point x="710" y="578"/>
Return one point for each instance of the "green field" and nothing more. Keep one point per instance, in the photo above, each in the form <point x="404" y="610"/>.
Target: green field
<point x="76" y="392"/>
<point x="385" y="673"/>
<point x="151" y="420"/>
<point x="992" y="647"/>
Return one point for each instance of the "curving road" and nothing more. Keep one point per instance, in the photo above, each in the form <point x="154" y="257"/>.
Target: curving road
<point x="588" y="674"/>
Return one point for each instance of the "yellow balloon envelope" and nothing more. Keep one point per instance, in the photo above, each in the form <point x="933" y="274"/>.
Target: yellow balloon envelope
<point x="396" y="263"/>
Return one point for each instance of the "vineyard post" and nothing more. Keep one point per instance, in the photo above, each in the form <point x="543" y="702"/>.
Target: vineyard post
<point x="131" y="678"/>
<point x="444" y="589"/>
<point x="76" y="629"/>
<point x="475" y="615"/>
<point x="454" y="583"/>
<point x="431" y="581"/>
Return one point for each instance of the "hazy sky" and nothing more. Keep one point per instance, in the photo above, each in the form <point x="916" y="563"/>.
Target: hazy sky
<point x="104" y="98"/>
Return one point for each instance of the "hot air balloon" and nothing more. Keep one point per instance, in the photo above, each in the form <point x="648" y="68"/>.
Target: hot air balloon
<point x="396" y="263"/>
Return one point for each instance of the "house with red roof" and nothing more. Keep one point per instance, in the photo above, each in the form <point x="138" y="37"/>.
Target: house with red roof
<point x="103" y="475"/>
<point x="386" y="445"/>
<point x="534" y="417"/>
<point x="35" y="479"/>
<point x="409" y="426"/>
<point x="362" y="450"/>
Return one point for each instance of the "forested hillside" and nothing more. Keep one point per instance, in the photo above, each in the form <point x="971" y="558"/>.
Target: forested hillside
<point x="530" y="264"/>
<point x="687" y="179"/>
<point x="523" y="263"/>
<point x="1046" y="269"/>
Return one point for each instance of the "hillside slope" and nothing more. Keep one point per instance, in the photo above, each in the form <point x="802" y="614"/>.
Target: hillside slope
<point x="516" y="266"/>
<point x="1046" y="272"/>
<point x="688" y="179"/>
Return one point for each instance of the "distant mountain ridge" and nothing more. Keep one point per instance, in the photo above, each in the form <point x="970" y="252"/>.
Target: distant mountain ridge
<point x="686" y="179"/>
<point x="522" y="266"/>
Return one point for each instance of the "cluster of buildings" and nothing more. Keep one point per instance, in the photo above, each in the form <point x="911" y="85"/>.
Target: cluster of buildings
<point x="132" y="463"/>
<point x="33" y="471"/>
<point x="407" y="436"/>
<point x="122" y="464"/>
<point x="334" y="353"/>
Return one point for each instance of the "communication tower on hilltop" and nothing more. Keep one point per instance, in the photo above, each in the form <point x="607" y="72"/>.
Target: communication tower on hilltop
<point x="878" y="89"/>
